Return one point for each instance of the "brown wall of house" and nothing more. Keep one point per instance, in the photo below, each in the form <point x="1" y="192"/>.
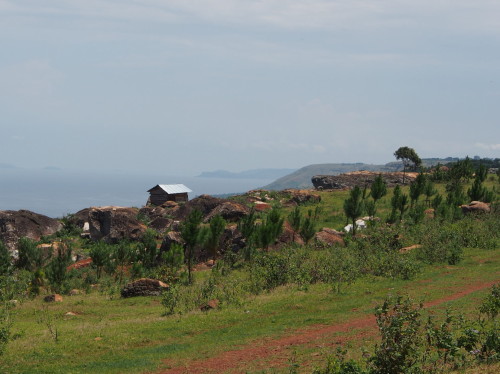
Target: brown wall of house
<point x="158" y="198"/>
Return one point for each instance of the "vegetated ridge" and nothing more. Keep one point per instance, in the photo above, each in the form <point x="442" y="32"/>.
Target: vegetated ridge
<point x="302" y="178"/>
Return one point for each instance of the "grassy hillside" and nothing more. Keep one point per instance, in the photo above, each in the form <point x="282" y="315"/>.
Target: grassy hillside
<point x="282" y="311"/>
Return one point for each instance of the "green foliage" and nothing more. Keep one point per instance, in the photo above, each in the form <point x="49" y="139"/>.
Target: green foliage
<point x="170" y="299"/>
<point x="378" y="188"/>
<point x="270" y="229"/>
<point x="216" y="229"/>
<point x="342" y="269"/>
<point x="191" y="234"/>
<point x="409" y="158"/>
<point x="56" y="269"/>
<point x="70" y="229"/>
<point x="147" y="252"/>
<point x="308" y="229"/>
<point x="398" y="321"/>
<point x="295" y="219"/>
<point x="5" y="325"/>
<point x="100" y="253"/>
<point x="5" y="260"/>
<point x="30" y="257"/>
<point x="417" y="188"/>
<point x="122" y="254"/>
<point x="354" y="207"/>
<point x="417" y="213"/>
<point x="491" y="304"/>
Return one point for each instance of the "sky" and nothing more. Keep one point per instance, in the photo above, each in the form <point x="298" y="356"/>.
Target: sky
<point x="185" y="86"/>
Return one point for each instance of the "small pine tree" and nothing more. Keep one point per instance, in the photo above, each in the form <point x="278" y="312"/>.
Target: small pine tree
<point x="147" y="251"/>
<point x="100" y="253"/>
<point x="417" y="188"/>
<point x="378" y="188"/>
<point x="56" y="269"/>
<point x="308" y="230"/>
<point x="191" y="233"/>
<point x="295" y="220"/>
<point x="270" y="229"/>
<point x="216" y="229"/>
<point x="353" y="207"/>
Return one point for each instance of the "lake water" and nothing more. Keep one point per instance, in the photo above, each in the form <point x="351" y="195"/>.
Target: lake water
<point x="56" y="193"/>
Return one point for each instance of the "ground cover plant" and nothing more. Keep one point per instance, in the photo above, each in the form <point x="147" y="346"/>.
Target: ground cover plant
<point x="261" y="291"/>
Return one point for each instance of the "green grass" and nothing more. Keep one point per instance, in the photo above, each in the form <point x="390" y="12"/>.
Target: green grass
<point x="131" y="335"/>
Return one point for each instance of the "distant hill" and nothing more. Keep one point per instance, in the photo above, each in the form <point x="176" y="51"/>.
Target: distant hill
<point x="302" y="177"/>
<point x="247" y="174"/>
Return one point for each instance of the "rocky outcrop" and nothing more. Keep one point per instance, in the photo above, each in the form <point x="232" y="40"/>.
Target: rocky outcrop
<point x="113" y="224"/>
<point x="360" y="179"/>
<point x="204" y="203"/>
<point x="300" y="197"/>
<point x="229" y="210"/>
<point x="475" y="207"/>
<point x="329" y="237"/>
<point x="144" y="287"/>
<point x="24" y="223"/>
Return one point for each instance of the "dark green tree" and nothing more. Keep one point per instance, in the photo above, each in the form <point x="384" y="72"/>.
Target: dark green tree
<point x="295" y="220"/>
<point x="191" y="233"/>
<point x="378" y="188"/>
<point x="399" y="203"/>
<point x="429" y="191"/>
<point x="417" y="188"/>
<point x="100" y="253"/>
<point x="31" y="257"/>
<point x="216" y="229"/>
<point x="5" y="260"/>
<point x="56" y="269"/>
<point x="353" y="207"/>
<point x="147" y="251"/>
<point x="409" y="158"/>
<point x="122" y="255"/>
<point x="308" y="228"/>
<point x="270" y="229"/>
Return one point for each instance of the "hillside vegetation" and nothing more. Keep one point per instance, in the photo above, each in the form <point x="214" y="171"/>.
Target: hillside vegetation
<point x="265" y="283"/>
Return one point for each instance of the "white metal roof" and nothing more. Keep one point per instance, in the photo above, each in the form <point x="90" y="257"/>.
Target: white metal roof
<point x="173" y="188"/>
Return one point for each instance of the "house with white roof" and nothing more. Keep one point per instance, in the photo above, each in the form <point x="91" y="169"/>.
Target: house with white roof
<point x="162" y="193"/>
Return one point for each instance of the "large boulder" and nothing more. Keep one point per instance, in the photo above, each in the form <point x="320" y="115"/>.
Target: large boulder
<point x="229" y="210"/>
<point x="204" y="203"/>
<point x="144" y="287"/>
<point x="24" y="223"/>
<point x="288" y="235"/>
<point x="113" y="224"/>
<point x="475" y="207"/>
<point x="300" y="197"/>
<point x="329" y="237"/>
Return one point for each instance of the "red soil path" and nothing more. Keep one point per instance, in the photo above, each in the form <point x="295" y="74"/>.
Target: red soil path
<point x="237" y="360"/>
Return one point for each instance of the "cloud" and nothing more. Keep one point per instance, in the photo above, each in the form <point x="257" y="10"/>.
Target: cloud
<point x="481" y="15"/>
<point x="489" y="147"/>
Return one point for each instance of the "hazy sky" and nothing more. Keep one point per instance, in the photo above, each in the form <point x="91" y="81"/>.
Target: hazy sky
<point x="183" y="86"/>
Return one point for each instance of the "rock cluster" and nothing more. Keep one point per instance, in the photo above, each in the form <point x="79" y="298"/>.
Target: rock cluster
<point x="360" y="179"/>
<point x="144" y="287"/>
